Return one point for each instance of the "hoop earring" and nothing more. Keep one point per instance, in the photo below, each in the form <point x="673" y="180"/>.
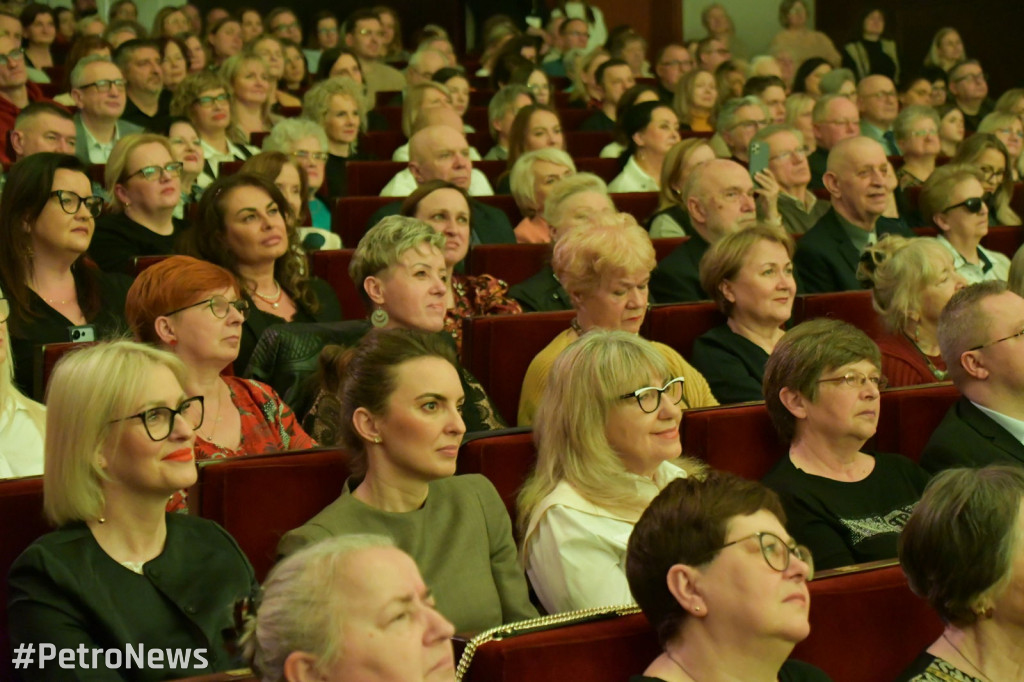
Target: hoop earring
<point x="379" y="318"/>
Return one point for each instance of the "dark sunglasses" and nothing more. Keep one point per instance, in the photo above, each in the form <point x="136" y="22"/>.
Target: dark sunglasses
<point x="973" y="205"/>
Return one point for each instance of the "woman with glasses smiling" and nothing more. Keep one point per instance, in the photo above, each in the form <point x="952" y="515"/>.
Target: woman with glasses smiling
<point x="56" y="295"/>
<point x="119" y="570"/>
<point x="712" y="556"/>
<point x="986" y="153"/>
<point x="144" y="184"/>
<point x="821" y="388"/>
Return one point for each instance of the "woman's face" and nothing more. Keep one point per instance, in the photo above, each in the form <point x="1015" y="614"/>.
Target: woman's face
<point x="294" y="65"/>
<point x="66" y="25"/>
<point x="951" y="47"/>
<point x="254" y="228"/>
<point x="174" y="66"/>
<point x="42" y="30"/>
<point x="201" y="336"/>
<point x="327" y="33"/>
<point x="1012" y="136"/>
<point x="434" y="98"/>
<point x="141" y="465"/>
<point x="545" y="176"/>
<point x="447" y="211"/>
<point x="543" y="131"/>
<point x="644" y="440"/>
<point x="251" y="84"/>
<point x="227" y="41"/>
<point x="947" y="282"/>
<point x="842" y="413"/>
<point x="764" y="288"/>
<point x="342" y="124"/>
<point x="174" y="23"/>
<point x="348" y="67"/>
<point x="735" y="81"/>
<point x="874" y="23"/>
<point x="743" y="593"/>
<point x="413" y="290"/>
<point x="704" y="91"/>
<point x="459" y="89"/>
<point x="273" y="56"/>
<point x="661" y="134"/>
<point x="960" y="222"/>
<point x="540" y="86"/>
<point x="186" y="147"/>
<point x="992" y="165"/>
<point x="797" y="16"/>
<point x="252" y="25"/>
<point x="582" y="209"/>
<point x="919" y="93"/>
<point x="290" y="184"/>
<point x="161" y="192"/>
<point x="805" y="121"/>
<point x="813" y="81"/>
<point x="196" y="54"/>
<point x="54" y="229"/>
<point x="306" y="149"/>
<point x="387" y="24"/>
<point x="213" y="117"/>
<point x="619" y="302"/>
<point x="939" y="90"/>
<point x="922" y="139"/>
<point x="951" y="128"/>
<point x="391" y="629"/>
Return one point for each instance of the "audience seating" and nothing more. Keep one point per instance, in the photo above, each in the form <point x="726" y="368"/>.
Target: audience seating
<point x="256" y="138"/>
<point x="259" y="498"/>
<point x="350" y="216"/>
<point x="572" y="117"/>
<point x="1005" y="239"/>
<point x="382" y="143"/>
<point x="140" y="263"/>
<point x="910" y="414"/>
<point x="854" y="307"/>
<point x="229" y="167"/>
<point x="606" y="169"/>
<point x="291" y="112"/>
<point x="332" y="267"/>
<point x="587" y="143"/>
<point x="866" y="625"/>
<point x="679" y="325"/>
<point x="506" y="458"/>
<point x="46" y="358"/>
<point x="736" y="438"/>
<point x="500" y="365"/>
<point x="640" y="205"/>
<point x="97" y="171"/>
<point x="512" y="263"/>
<point x="664" y="246"/>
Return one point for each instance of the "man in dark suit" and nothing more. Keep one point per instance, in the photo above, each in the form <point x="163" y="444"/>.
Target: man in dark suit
<point x="858" y="178"/>
<point x="981" y="332"/>
<point x="719" y="197"/>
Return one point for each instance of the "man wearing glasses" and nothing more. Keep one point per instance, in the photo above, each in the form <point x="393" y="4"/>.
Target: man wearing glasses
<point x="980" y="336"/>
<point x="364" y="35"/>
<point x="98" y="89"/>
<point x="738" y="122"/>
<point x="834" y="118"/>
<point x="969" y="87"/>
<point x="670" y="64"/>
<point x="147" y="102"/>
<point x="876" y="97"/>
<point x="15" y="91"/>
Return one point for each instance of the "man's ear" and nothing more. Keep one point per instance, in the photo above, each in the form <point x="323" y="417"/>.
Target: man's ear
<point x="830" y="180"/>
<point x="974" y="365"/>
<point x="414" y="168"/>
<point x="18" y="142"/>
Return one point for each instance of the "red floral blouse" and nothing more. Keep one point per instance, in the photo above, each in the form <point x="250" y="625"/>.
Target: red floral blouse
<point x="477" y="295"/>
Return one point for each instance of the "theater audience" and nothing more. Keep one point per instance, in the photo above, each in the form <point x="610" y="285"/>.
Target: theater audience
<point x="808" y="76"/>
<point x="399" y="395"/>
<point x="988" y="155"/>
<point x="38" y="23"/>
<point x="871" y="54"/>
<point x="97" y="88"/>
<point x="252" y="24"/>
<point x="951" y="129"/>
<point x="419" y="100"/>
<point x="916" y="131"/>
<point x="307" y="142"/>
<point x="533" y="176"/>
<point x="799" y="114"/>
<point x="738" y="121"/>
<point x="224" y="40"/>
<point x="56" y="294"/>
<point x="391" y="24"/>
<point x="834" y="119"/>
<point x="357" y="580"/>
<point x="749" y="275"/>
<point x="271" y="50"/>
<point x="821" y="388"/>
<point x="975" y="515"/>
<point x="800" y="40"/>
<point x="600" y="462"/>
<point x="772" y="93"/>
<point x="119" y="571"/>
<point x="16" y="92"/>
<point x="651" y="130"/>
<point x="148" y="102"/>
<point x="245" y="225"/>
<point x="501" y="112"/>
<point x="363" y="33"/>
<point x="876" y="97"/>
<point x="458" y="91"/>
<point x="249" y="87"/>
<point x="694" y="102"/>
<point x="978" y="334"/>
<point x="296" y="76"/>
<point x="187" y="149"/>
<point x="968" y="85"/>
<point x="536" y="126"/>
<point x="700" y="543"/>
<point x="915" y="90"/>
<point x="173" y="62"/>
<point x="43" y="127"/>
<point x="203" y="99"/>
<point x="671" y="218"/>
<point x="22" y="421"/>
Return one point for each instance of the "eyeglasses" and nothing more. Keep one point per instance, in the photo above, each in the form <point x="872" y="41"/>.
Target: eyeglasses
<point x="976" y="77"/>
<point x="369" y="32"/>
<point x="857" y="380"/>
<point x="327" y="31"/>
<point x="649" y="397"/>
<point x="207" y="101"/>
<point x="5" y="309"/>
<point x="219" y="306"/>
<point x="105" y="84"/>
<point x="881" y="94"/>
<point x="777" y="553"/>
<point x="150" y="173"/>
<point x="159" y="421"/>
<point x="306" y="156"/>
<point x="12" y="56"/>
<point x="753" y="124"/>
<point x="539" y="87"/>
<point x="973" y="205"/>
<point x="791" y="155"/>
<point x="992" y="174"/>
<point x="1010" y="132"/>
<point x="578" y="34"/>
<point x="924" y="133"/>
<point x="992" y="343"/>
<point x="71" y="202"/>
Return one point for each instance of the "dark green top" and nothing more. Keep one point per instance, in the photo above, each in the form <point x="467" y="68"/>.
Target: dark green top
<point x="791" y="671"/>
<point x="732" y="364"/>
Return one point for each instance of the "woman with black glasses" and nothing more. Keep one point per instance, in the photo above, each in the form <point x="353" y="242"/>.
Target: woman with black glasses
<point x="119" y="570"/>
<point x="143" y="182"/>
<point x="47" y="218"/>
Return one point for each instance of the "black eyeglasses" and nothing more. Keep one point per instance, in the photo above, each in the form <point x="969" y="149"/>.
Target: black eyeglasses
<point x="149" y="173"/>
<point x="649" y="397"/>
<point x="973" y="205"/>
<point x="219" y="306"/>
<point x="304" y="155"/>
<point x="5" y="309"/>
<point x="159" y="421"/>
<point x="71" y="202"/>
<point x="104" y="85"/>
<point x="777" y="553"/>
<point x="992" y="343"/>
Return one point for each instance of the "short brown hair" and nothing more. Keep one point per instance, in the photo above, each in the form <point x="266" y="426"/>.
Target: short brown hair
<point x="964" y="514"/>
<point x="725" y="258"/>
<point x="687" y="524"/>
<point x="804" y="353"/>
<point x="963" y="324"/>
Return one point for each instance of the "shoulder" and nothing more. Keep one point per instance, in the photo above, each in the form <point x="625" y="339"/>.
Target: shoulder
<point x="798" y="671"/>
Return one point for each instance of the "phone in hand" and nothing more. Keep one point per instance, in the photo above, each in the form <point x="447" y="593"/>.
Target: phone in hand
<point x="760" y="155"/>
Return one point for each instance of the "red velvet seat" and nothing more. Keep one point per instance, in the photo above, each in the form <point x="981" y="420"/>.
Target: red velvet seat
<point x="665" y="246"/>
<point x="481" y="97"/>
<point x="510" y="262"/>
<point x="46" y="358"/>
<point x="97" y="172"/>
<point x="382" y="97"/>
<point x="481" y="140"/>
<point x="850" y="306"/>
<point x="503" y="201"/>
<point x="572" y="118"/>
<point x="350" y="216"/>
<point x="1005" y="239"/>
<point x="258" y="499"/>
<point x="587" y="143"/>
<point x="332" y="267"/>
<point x="256" y="138"/>
<point x="367" y="178"/>
<point x="737" y="438"/>
<point x="477" y="117"/>
<point x="21" y="523"/>
<point x="140" y="263"/>
<point x="229" y="167"/>
<point x="498" y="349"/>
<point x="505" y="459"/>
<point x="640" y="205"/>
<point x="909" y="415"/>
<point x="382" y="143"/>
<point x="606" y="169"/>
<point x="866" y="626"/>
<point x="679" y="325"/>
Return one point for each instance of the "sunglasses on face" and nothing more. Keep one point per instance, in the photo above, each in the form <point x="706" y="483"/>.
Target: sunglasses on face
<point x="972" y="205"/>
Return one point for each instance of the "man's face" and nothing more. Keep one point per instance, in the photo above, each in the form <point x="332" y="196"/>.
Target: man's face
<point x="285" y="25"/>
<point x="12" y="68"/>
<point x="615" y="81"/>
<point x="144" y="73"/>
<point x="365" y="38"/>
<point x="674" y="62"/>
<point x="968" y="83"/>
<point x="724" y="201"/>
<point x="430" y="63"/>
<point x="714" y="54"/>
<point x="444" y="155"/>
<point x="576" y="34"/>
<point x="748" y="121"/>
<point x="842" y="121"/>
<point x="859" y="185"/>
<point x="96" y="99"/>
<point x="44" y="133"/>
<point x="877" y="98"/>
<point x="774" y="97"/>
<point x="504" y="124"/>
<point x="9" y="26"/>
<point x="788" y="161"/>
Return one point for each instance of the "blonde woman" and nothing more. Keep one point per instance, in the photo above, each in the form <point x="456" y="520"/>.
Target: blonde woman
<point x="946" y="49"/>
<point x="671" y="218"/>
<point x="1009" y="129"/>
<point x="800" y="115"/>
<point x="22" y="421"/>
<point x="249" y="85"/>
<point x="531" y="180"/>
<point x="337" y="105"/>
<point x="695" y="99"/>
<point x="989" y="156"/>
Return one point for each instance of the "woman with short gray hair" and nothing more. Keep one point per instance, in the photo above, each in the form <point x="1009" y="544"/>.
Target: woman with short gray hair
<point x="916" y="130"/>
<point x="307" y="142"/>
<point x="532" y="177"/>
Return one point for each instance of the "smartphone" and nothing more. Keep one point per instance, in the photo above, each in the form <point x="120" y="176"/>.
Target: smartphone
<point x="760" y="154"/>
<point x="82" y="333"/>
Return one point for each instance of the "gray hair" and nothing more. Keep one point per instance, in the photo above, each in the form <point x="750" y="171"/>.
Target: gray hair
<point x="776" y="128"/>
<point x="568" y="187"/>
<point x="727" y="116"/>
<point x="521" y="177"/>
<point x="503" y="102"/>
<point x="832" y="81"/>
<point x="820" y="112"/>
<point x="76" y="73"/>
<point x="287" y="132"/>
<point x="908" y="116"/>
<point x="316" y="103"/>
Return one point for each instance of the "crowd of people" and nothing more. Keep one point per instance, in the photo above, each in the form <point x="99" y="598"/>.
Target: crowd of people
<point x="165" y="185"/>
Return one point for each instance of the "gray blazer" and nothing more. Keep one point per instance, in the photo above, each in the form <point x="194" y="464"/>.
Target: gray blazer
<point x="82" y="150"/>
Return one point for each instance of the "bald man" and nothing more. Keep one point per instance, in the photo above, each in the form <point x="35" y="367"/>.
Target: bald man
<point x="435" y="116"/>
<point x="858" y="178"/>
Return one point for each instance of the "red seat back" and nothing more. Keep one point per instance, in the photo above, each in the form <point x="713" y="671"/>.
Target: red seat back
<point x="492" y="169"/>
<point x="572" y="117"/>
<point x="606" y="169"/>
<point x="587" y="143"/>
<point x="866" y="626"/>
<point x="910" y="414"/>
<point x="332" y="267"/>
<point x="505" y="202"/>
<point x="367" y="178"/>
<point x="640" y="205"/>
<point x="235" y="492"/>
<point x="510" y="262"/>
<point x="679" y="326"/>
<point x="256" y="138"/>
<point x="665" y="246"/>
<point x="350" y="216"/>
<point x="497" y="349"/>
<point x="229" y="167"/>
<point x="506" y="460"/>
<point x="738" y="438"/>
<point x="140" y="263"/>
<point x="46" y="358"/>
<point x="849" y="306"/>
<point x="1005" y="239"/>
<point x="97" y="172"/>
<point x="382" y="143"/>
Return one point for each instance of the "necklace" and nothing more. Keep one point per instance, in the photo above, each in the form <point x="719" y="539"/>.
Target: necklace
<point x="208" y="436"/>
<point x="575" y="324"/>
<point x="939" y="374"/>
<point x="275" y="299"/>
<point x="680" y="665"/>
<point x="961" y="654"/>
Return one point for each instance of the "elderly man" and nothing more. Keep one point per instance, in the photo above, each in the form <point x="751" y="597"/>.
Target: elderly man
<point x="43" y="127"/>
<point x="969" y="88"/>
<point x="671" y="62"/>
<point x="613" y="78"/>
<point x="98" y="89"/>
<point x="858" y="178"/>
<point x="798" y="206"/>
<point x="876" y="98"/>
<point x="719" y="198"/>
<point x="148" y="103"/>
<point x="15" y="91"/>
<point x="363" y="35"/>
<point x="980" y="336"/>
<point x="572" y="37"/>
<point x="738" y="122"/>
<point x="501" y="112"/>
<point x="834" y="118"/>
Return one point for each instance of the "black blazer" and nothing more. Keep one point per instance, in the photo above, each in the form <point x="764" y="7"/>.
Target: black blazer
<point x="826" y="260"/>
<point x="541" y="293"/>
<point x="967" y="437"/>
<point x="677" y="277"/>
